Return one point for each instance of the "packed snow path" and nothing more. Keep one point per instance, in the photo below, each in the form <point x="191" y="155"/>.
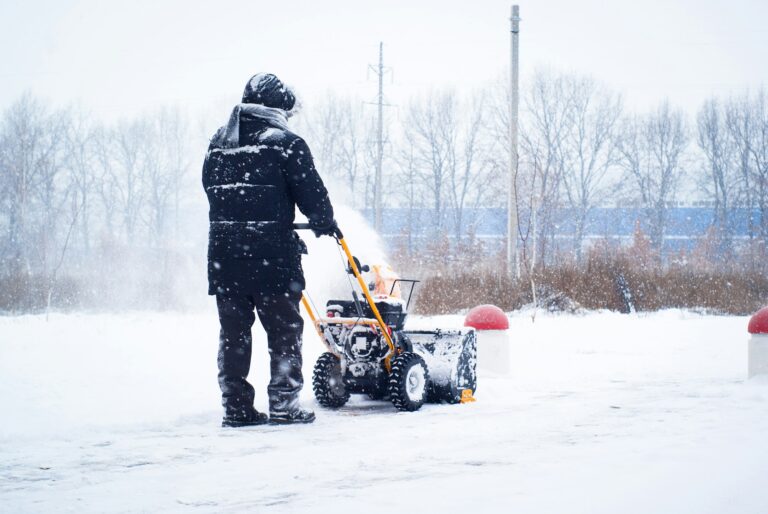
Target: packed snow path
<point x="601" y="413"/>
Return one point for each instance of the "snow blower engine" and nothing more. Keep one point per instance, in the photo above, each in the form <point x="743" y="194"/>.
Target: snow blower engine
<point x="370" y="352"/>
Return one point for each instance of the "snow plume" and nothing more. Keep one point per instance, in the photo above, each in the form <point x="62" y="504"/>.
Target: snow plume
<point x="324" y="267"/>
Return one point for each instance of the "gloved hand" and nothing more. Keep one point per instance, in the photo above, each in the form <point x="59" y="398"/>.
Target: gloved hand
<point x="329" y="230"/>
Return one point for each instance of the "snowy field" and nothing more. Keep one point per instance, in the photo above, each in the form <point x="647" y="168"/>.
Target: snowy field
<point x="602" y="413"/>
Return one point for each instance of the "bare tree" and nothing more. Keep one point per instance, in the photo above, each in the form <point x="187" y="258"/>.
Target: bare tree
<point x="430" y="127"/>
<point x="448" y="152"/>
<point x="759" y="156"/>
<point x="406" y="162"/>
<point x="746" y="119"/>
<point x="126" y="173"/>
<point x="21" y="140"/>
<point x="53" y="275"/>
<point x="81" y="166"/>
<point x="340" y="135"/>
<point x="164" y="162"/>
<point x="545" y="111"/>
<point x="350" y="155"/>
<point x="740" y="125"/>
<point x="105" y="171"/>
<point x="546" y="115"/>
<point x="174" y="132"/>
<point x="31" y="158"/>
<point x="51" y="204"/>
<point x="720" y="154"/>
<point x="64" y="178"/>
<point x="588" y="148"/>
<point x="36" y="188"/>
<point x="468" y="164"/>
<point x="325" y="126"/>
<point x="652" y="150"/>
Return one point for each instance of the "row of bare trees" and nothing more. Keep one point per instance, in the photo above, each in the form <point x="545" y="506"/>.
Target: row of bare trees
<point x="86" y="197"/>
<point x="733" y="137"/>
<point x="581" y="148"/>
<point x="73" y="191"/>
<point x="441" y="159"/>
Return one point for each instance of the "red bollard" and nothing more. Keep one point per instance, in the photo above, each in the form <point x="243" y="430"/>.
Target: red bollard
<point x="492" y="327"/>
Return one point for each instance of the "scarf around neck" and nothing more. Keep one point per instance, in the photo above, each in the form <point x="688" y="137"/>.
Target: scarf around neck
<point x="228" y="136"/>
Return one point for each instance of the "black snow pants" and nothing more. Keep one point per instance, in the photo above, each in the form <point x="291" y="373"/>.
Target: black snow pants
<point x="280" y="316"/>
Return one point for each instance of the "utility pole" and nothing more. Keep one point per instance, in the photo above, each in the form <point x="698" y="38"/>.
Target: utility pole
<point x="377" y="190"/>
<point x="513" y="263"/>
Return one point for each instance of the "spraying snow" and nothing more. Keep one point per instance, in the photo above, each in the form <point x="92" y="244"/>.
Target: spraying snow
<point x="324" y="266"/>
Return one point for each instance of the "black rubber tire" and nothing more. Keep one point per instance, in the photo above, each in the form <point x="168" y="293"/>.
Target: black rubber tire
<point x="325" y="382"/>
<point x="402" y="368"/>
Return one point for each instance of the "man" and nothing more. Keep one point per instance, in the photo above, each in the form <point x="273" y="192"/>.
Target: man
<point x="256" y="172"/>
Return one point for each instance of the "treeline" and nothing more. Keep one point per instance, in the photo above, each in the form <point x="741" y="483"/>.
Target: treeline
<point x="580" y="148"/>
<point x="112" y="214"/>
<point x="91" y="213"/>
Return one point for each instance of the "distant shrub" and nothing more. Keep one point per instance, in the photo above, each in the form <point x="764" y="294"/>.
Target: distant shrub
<point x="607" y="278"/>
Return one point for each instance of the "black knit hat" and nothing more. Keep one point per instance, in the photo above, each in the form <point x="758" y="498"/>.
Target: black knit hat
<point x="266" y="89"/>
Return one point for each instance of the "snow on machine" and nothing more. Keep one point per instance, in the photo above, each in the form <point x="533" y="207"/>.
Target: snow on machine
<point x="370" y="352"/>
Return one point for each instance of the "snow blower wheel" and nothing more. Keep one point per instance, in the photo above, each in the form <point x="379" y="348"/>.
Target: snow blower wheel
<point x="328" y="383"/>
<point x="408" y="382"/>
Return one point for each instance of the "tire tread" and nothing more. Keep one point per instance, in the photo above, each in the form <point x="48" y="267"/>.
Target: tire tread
<point x="321" y="376"/>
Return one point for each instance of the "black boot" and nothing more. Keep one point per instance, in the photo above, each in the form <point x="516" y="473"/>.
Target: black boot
<point x="291" y="417"/>
<point x="247" y="418"/>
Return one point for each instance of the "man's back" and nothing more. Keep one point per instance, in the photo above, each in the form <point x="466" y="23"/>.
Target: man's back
<point x="250" y="203"/>
<point x="253" y="190"/>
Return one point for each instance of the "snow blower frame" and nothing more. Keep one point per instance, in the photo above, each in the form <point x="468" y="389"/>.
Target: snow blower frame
<point x="370" y="352"/>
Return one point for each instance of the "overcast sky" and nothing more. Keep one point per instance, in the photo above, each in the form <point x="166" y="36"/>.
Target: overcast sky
<point x="122" y="57"/>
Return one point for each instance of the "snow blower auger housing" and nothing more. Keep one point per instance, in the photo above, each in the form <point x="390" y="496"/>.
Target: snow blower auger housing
<point x="370" y="352"/>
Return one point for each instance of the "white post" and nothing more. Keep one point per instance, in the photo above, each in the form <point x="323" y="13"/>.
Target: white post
<point x="758" y="355"/>
<point x="758" y="344"/>
<point x="513" y="263"/>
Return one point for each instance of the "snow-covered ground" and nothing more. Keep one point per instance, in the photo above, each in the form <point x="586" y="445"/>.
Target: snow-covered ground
<point x="601" y="413"/>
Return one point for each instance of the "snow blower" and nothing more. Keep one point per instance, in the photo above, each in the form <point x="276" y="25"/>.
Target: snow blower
<point x="370" y="352"/>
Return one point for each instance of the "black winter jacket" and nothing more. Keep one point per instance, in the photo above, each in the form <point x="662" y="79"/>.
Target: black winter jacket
<point x="253" y="191"/>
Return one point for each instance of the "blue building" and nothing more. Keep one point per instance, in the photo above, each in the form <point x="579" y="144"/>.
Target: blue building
<point x="685" y="227"/>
